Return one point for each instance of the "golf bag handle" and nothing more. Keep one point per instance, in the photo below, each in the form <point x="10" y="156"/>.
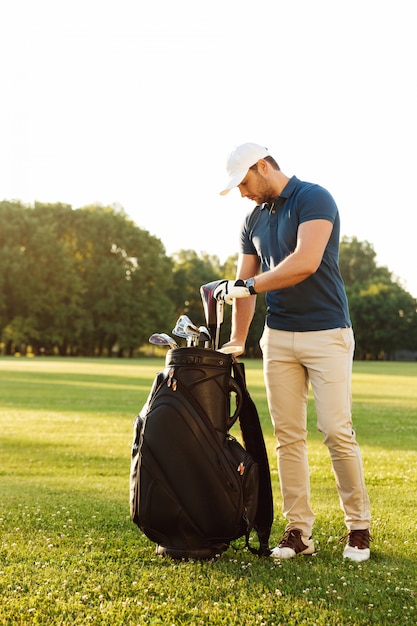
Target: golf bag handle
<point x="234" y="388"/>
<point x="207" y="374"/>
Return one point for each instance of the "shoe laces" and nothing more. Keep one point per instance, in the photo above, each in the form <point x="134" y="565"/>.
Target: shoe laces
<point x="291" y="539"/>
<point x="358" y="538"/>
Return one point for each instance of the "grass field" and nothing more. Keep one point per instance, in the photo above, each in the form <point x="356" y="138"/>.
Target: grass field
<point x="70" y="554"/>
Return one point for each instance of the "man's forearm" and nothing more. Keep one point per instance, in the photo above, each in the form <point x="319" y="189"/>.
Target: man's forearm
<point x="242" y="315"/>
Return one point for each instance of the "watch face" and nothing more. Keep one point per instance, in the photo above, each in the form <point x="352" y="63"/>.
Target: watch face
<point x="250" y="285"/>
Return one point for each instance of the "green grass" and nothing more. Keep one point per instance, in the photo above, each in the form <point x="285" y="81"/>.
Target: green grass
<point x="69" y="553"/>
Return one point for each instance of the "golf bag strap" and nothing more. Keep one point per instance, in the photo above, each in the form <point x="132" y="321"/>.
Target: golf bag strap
<point x="254" y="443"/>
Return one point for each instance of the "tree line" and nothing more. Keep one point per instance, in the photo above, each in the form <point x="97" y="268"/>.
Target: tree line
<point x="90" y="282"/>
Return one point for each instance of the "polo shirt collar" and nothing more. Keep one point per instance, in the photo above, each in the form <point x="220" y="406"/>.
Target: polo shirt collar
<point x="286" y="192"/>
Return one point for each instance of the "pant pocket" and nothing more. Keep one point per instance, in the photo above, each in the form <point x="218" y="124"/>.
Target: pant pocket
<point x="262" y="340"/>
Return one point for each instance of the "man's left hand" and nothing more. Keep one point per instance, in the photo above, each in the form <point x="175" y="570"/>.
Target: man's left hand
<point x="227" y="290"/>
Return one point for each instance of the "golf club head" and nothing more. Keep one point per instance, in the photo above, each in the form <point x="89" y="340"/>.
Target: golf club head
<point x="209" y="302"/>
<point x="187" y="324"/>
<point x="178" y="331"/>
<point x="186" y="329"/>
<point x="204" y="337"/>
<point x="162" y="339"/>
<point x="213" y="309"/>
<point x="170" y="340"/>
<point x="205" y="334"/>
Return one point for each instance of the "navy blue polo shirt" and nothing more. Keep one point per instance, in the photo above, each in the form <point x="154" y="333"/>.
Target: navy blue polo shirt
<point x="319" y="302"/>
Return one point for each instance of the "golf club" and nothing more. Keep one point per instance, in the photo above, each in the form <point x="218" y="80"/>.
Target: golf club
<point x="213" y="310"/>
<point x="191" y="337"/>
<point x="205" y="336"/>
<point x="162" y="339"/>
<point x="220" y="318"/>
<point x="185" y="321"/>
<point x="180" y="332"/>
<point x="186" y="329"/>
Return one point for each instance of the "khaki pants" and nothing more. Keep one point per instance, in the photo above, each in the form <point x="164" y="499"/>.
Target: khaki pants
<point x="324" y="359"/>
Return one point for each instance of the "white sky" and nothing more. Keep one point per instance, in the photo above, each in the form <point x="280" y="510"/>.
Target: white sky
<point x="139" y="103"/>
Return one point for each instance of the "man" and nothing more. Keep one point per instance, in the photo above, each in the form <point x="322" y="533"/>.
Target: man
<point x="290" y="251"/>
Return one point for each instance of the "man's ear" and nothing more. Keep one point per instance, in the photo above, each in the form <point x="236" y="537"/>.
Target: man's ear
<point x="262" y="166"/>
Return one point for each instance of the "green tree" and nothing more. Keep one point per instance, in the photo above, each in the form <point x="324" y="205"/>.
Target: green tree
<point x="384" y="317"/>
<point x="39" y="283"/>
<point x="383" y="313"/>
<point x="127" y="279"/>
<point x="81" y="282"/>
<point x="357" y="262"/>
<point x="190" y="271"/>
<point x="14" y="231"/>
<point x="55" y="288"/>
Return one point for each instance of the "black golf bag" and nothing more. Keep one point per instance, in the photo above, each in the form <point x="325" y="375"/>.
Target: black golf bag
<point x="193" y="487"/>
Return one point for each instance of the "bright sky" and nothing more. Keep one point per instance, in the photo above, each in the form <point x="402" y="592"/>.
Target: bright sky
<point x="139" y="103"/>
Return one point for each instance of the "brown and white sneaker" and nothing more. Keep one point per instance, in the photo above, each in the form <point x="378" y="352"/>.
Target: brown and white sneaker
<point x="292" y="543"/>
<point x="357" y="548"/>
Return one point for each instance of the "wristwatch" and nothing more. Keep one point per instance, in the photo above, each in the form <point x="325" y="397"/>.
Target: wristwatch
<point x="250" y="284"/>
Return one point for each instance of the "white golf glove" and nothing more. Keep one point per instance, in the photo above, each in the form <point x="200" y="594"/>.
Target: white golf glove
<point x="229" y="289"/>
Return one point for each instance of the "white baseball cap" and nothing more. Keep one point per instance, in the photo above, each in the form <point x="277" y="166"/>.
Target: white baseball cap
<point x="239" y="161"/>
